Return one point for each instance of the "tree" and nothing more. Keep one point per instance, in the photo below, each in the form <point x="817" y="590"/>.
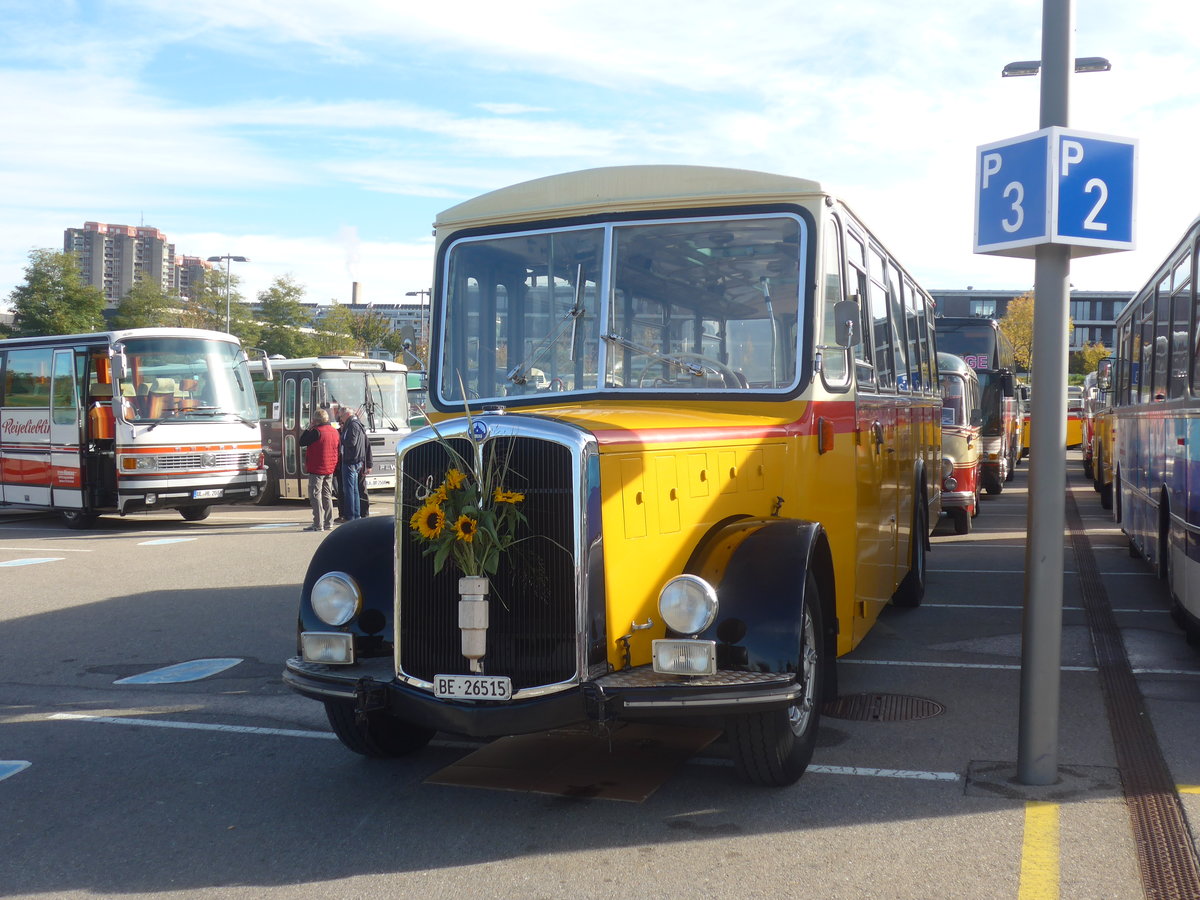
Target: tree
<point x="53" y="299"/>
<point x="284" y="317"/>
<point x="369" y="330"/>
<point x="147" y="304"/>
<point x="334" y="335"/>
<point x="1017" y="326"/>
<point x="1089" y="356"/>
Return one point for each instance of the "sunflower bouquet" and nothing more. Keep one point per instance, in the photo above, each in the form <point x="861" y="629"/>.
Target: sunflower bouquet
<point x="471" y="518"/>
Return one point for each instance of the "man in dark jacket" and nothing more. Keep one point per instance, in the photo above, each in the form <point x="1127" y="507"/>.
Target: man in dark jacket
<point x="320" y="441"/>
<point x="356" y="461"/>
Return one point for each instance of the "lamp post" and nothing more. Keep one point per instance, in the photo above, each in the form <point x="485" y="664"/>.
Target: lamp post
<point x="426" y="324"/>
<point x="227" y="258"/>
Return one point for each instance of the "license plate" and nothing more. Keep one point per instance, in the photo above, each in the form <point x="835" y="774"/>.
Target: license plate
<point x="380" y="482"/>
<point x="208" y="494"/>
<point x="472" y="687"/>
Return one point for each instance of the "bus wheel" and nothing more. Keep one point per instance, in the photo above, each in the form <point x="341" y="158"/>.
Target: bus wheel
<point x="379" y="736"/>
<point x="912" y="589"/>
<point x="962" y="520"/>
<point x="1012" y="467"/>
<point x="79" y="518"/>
<point x="195" y="513"/>
<point x="1106" y="495"/>
<point x="270" y="490"/>
<point x="774" y="748"/>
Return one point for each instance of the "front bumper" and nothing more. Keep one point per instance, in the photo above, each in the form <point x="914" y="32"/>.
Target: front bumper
<point x="638" y="693"/>
<point x="958" y="499"/>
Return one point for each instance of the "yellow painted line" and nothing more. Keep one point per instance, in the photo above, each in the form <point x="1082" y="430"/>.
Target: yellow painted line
<point x="1039" y="852"/>
<point x="1188" y="788"/>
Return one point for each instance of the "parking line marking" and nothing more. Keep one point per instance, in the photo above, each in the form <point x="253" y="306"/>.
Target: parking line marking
<point x="861" y="771"/>
<point x="917" y="664"/>
<point x="56" y="549"/>
<point x="1188" y="788"/>
<point x="10" y="767"/>
<point x="195" y="726"/>
<point x="193" y="670"/>
<point x="32" y="561"/>
<point x="165" y="541"/>
<point x="1039" y="852"/>
<point x="1144" y="671"/>
<point x="277" y="525"/>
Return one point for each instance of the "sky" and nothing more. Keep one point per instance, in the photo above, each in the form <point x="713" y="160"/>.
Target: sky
<point x="320" y="139"/>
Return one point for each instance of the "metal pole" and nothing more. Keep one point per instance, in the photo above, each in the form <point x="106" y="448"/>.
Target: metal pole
<point x="1041" y="627"/>
<point x="228" y="262"/>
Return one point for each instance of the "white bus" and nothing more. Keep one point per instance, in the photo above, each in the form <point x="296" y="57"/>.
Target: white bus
<point x="122" y="421"/>
<point x="375" y="389"/>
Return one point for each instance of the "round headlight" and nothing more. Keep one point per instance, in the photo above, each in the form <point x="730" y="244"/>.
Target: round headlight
<point x="947" y="466"/>
<point x="688" y="604"/>
<point x="336" y="598"/>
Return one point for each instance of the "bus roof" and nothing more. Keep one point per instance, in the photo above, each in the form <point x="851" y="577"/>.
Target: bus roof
<point x="954" y="365"/>
<point x="339" y="364"/>
<point x="109" y="337"/>
<point x="622" y="188"/>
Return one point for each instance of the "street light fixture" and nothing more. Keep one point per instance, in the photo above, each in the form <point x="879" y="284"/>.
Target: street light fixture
<point x="227" y="258"/>
<point x="1033" y="66"/>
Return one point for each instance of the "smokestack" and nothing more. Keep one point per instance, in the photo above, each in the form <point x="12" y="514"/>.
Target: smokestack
<point x="353" y="293"/>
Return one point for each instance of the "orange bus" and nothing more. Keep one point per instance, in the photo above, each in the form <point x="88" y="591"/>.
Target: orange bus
<point x="727" y="462"/>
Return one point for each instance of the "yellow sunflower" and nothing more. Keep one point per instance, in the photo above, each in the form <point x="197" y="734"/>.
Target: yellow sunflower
<point x="465" y="528"/>
<point x="429" y="520"/>
<point x="455" y="479"/>
<point x="503" y="496"/>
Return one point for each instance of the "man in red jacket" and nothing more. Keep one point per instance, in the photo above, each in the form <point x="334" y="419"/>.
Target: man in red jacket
<point x="320" y="441"/>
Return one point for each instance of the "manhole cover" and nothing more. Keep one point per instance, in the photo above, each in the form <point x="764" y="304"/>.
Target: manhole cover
<point x="882" y="708"/>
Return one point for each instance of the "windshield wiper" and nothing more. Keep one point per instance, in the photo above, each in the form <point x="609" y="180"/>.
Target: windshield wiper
<point x="691" y="368"/>
<point x="518" y="373"/>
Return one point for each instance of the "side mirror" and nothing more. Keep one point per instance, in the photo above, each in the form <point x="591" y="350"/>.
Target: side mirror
<point x="845" y="315"/>
<point x="120" y="362"/>
<point x="1008" y="385"/>
<point x="268" y="373"/>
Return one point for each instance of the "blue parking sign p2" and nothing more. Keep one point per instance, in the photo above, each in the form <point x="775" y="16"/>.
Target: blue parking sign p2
<point x="1055" y="186"/>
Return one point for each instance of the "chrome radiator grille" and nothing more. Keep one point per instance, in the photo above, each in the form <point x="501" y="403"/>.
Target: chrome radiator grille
<point x="532" y="605"/>
<point x="190" y="462"/>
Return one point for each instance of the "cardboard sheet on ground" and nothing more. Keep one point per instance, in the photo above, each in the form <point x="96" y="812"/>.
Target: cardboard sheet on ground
<point x="629" y="764"/>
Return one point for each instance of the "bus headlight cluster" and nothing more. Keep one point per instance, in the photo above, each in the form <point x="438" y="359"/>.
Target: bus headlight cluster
<point x="138" y="463"/>
<point x="336" y="598"/>
<point x="688" y="604"/>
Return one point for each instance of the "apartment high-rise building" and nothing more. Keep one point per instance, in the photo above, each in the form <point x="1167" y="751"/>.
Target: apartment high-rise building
<point x="190" y="271"/>
<point x="116" y="257"/>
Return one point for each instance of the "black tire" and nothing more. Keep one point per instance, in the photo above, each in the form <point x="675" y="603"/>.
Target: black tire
<point x="774" y="748"/>
<point x="975" y="507"/>
<point x="381" y="736"/>
<point x="961" y="519"/>
<point x="1012" y="466"/>
<point x="1106" y="496"/>
<point x="79" y="519"/>
<point x="912" y="588"/>
<point x="992" y="483"/>
<point x="195" y="513"/>
<point x="269" y="494"/>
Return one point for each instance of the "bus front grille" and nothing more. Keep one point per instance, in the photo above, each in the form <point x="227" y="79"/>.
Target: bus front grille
<point x="532" y="627"/>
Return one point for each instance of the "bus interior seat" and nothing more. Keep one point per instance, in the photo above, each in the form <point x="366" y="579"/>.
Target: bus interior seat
<point x="100" y="414"/>
<point x="162" y="396"/>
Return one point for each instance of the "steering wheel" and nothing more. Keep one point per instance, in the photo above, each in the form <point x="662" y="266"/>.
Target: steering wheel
<point x="557" y="384"/>
<point x="729" y="378"/>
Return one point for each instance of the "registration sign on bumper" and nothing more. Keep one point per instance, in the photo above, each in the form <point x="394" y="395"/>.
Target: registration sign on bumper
<point x="207" y="494"/>
<point x="472" y="687"/>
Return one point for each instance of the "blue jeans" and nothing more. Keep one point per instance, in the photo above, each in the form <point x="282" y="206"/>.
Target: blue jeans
<point x="350" y="475"/>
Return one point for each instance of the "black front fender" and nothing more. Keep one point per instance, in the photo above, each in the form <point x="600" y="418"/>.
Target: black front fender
<point x="365" y="550"/>
<point x="758" y="567"/>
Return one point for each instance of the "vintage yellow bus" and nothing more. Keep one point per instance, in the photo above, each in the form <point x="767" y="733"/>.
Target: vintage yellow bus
<point x="727" y="462"/>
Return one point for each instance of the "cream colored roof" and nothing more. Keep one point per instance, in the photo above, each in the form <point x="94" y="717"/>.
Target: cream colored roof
<point x="623" y="187"/>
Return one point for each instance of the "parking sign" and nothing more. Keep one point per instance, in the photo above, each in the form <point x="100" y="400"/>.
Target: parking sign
<point x="1055" y="186"/>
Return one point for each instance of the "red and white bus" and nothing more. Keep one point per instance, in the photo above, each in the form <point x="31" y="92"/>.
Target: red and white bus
<point x="123" y="421"/>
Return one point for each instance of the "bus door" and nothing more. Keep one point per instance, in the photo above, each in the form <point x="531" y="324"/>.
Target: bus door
<point x="876" y="463"/>
<point x="67" y="443"/>
<point x="297" y="408"/>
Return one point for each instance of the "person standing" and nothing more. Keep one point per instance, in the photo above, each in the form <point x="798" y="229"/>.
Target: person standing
<point x="320" y="443"/>
<point x="356" y="461"/>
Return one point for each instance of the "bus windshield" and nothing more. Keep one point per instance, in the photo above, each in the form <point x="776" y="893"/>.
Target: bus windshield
<point x="380" y="399"/>
<point x="976" y="341"/>
<point x="689" y="305"/>
<point x="186" y="379"/>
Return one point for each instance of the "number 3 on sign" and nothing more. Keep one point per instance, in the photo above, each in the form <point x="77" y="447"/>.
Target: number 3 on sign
<point x="1014" y="187"/>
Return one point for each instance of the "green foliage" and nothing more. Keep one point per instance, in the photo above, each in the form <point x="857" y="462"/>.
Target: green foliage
<point x="147" y="304"/>
<point x="334" y="335"/>
<point x="54" y="300"/>
<point x="369" y="330"/>
<point x="283" y="317"/>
